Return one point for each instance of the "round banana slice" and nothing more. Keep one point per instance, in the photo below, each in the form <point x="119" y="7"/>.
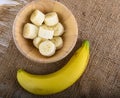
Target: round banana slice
<point x="37" y="17"/>
<point x="37" y="41"/>
<point x="58" y="29"/>
<point x="51" y="19"/>
<point x="58" y="42"/>
<point x="47" y="48"/>
<point x="30" y="31"/>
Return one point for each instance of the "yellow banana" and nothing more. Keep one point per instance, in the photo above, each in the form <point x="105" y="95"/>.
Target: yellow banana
<point x="59" y="80"/>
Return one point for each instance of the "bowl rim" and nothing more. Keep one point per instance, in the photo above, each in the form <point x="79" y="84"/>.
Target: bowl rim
<point x="36" y="60"/>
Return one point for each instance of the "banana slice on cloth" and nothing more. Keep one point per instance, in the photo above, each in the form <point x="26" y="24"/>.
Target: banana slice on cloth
<point x="51" y="19"/>
<point x="58" y="42"/>
<point x="30" y="31"/>
<point x="37" y="17"/>
<point x="47" y="48"/>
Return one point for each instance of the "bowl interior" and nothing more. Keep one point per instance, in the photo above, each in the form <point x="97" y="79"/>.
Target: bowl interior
<point x="66" y="18"/>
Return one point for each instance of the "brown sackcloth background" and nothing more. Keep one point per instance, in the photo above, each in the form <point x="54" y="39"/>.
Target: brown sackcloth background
<point x="99" y="22"/>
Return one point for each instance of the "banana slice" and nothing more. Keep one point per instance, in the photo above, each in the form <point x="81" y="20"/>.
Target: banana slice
<point x="47" y="48"/>
<point x="58" y="29"/>
<point x="37" y="17"/>
<point x="46" y="32"/>
<point x="37" y="41"/>
<point x="58" y="42"/>
<point x="51" y="19"/>
<point x="30" y="31"/>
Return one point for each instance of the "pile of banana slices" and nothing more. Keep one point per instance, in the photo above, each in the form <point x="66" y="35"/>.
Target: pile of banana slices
<point x="45" y="31"/>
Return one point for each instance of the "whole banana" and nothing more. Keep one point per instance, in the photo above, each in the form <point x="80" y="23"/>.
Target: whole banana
<point x="59" y="80"/>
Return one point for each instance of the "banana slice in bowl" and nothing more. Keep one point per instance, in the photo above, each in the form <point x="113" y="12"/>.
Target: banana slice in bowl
<point x="30" y="31"/>
<point x="37" y="41"/>
<point x="51" y="19"/>
<point x="58" y="29"/>
<point x="47" y="48"/>
<point x="58" y="41"/>
<point x="37" y="17"/>
<point x="46" y="32"/>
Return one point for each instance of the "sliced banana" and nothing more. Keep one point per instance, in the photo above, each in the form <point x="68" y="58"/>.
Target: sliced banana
<point x="51" y="19"/>
<point x="47" y="48"/>
<point x="58" y="29"/>
<point x="46" y="32"/>
<point x="30" y="31"/>
<point x="37" y="17"/>
<point x="37" y="41"/>
<point x="58" y="42"/>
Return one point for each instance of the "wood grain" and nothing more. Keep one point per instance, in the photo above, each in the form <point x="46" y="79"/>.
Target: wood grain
<point x="99" y="22"/>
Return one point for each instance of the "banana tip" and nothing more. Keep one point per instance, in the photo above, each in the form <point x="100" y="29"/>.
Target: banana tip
<point x="86" y="42"/>
<point x="20" y="70"/>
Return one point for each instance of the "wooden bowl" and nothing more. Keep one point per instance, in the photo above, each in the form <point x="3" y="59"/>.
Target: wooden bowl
<point x="26" y="47"/>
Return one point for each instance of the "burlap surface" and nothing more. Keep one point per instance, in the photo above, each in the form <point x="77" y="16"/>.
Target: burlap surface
<point x="99" y="22"/>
